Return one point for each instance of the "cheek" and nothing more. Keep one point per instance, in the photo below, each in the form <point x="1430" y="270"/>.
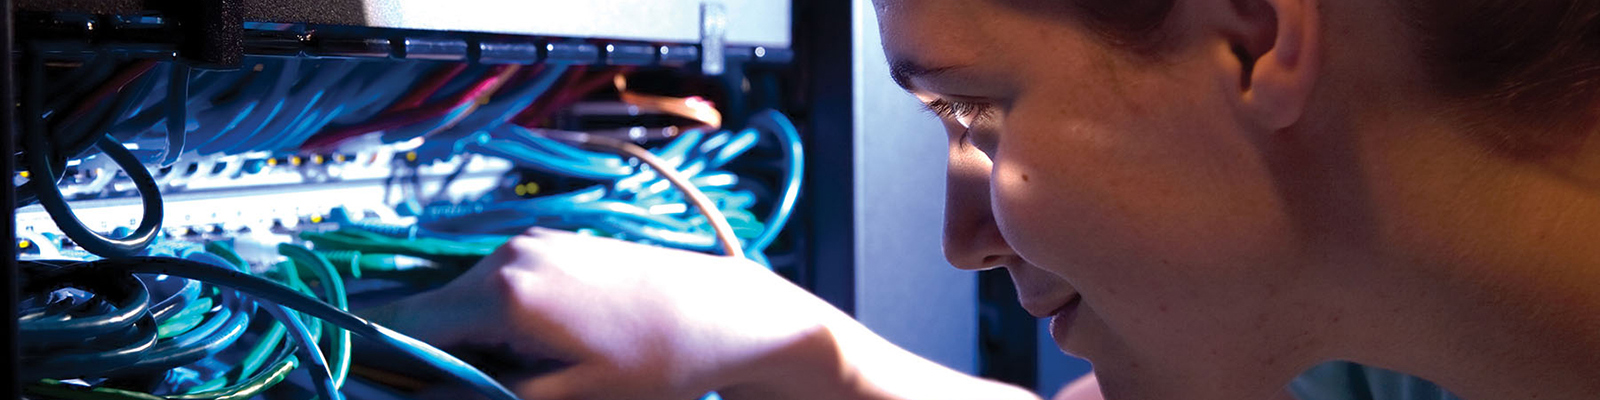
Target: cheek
<point x="1158" y="226"/>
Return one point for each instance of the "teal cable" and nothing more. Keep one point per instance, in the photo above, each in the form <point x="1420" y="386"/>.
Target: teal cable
<point x="277" y="294"/>
<point x="334" y="286"/>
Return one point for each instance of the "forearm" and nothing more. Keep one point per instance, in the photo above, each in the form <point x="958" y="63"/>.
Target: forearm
<point x="841" y="359"/>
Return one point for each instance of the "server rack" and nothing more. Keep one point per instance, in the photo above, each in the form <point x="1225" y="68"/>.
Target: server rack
<point x="808" y="74"/>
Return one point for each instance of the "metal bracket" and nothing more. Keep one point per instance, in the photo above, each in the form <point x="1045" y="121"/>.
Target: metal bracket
<point x="713" y="31"/>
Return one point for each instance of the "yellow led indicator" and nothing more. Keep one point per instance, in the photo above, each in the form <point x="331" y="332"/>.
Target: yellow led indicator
<point x="316" y="159"/>
<point x="411" y="156"/>
<point x="24" y="174"/>
<point x="272" y="162"/>
<point x="24" y="244"/>
<point x="316" y="219"/>
<point x="522" y="190"/>
<point x="338" y="158"/>
<point x="294" y="160"/>
<point x="533" y="188"/>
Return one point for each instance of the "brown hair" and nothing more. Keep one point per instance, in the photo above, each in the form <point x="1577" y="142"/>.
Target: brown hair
<point x="1529" y="64"/>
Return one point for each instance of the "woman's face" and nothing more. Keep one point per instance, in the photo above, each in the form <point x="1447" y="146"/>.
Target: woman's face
<point x="1122" y="193"/>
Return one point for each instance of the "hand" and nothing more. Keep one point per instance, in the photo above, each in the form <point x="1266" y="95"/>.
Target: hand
<point x="627" y="321"/>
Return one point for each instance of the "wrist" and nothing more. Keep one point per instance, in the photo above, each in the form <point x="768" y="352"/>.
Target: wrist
<point x="806" y="359"/>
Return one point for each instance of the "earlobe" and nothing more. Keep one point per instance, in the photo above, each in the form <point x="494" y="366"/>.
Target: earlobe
<point x="1278" y="77"/>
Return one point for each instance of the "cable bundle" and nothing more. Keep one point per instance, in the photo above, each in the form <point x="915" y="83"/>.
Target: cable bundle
<point x="111" y="309"/>
<point x="638" y="203"/>
<point x="195" y="323"/>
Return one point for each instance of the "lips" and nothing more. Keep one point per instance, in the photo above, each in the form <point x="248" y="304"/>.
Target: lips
<point x="1046" y="308"/>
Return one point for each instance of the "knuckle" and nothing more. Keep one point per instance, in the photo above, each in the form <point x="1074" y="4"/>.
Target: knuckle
<point x="505" y="285"/>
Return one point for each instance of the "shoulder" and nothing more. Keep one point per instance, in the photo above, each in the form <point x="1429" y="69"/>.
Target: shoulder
<point x="1351" y="381"/>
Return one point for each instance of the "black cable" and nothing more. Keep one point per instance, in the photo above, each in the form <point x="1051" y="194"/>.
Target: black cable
<point x="89" y="359"/>
<point x="186" y="350"/>
<point x="125" y="292"/>
<point x="177" y="112"/>
<point x="79" y="81"/>
<point x="51" y="199"/>
<point x="273" y="292"/>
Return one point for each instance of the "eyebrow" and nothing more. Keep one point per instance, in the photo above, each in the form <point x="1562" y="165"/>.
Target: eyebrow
<point x="902" y="71"/>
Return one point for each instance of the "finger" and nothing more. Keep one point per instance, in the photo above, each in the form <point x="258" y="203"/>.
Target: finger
<point x="543" y="232"/>
<point x="571" y="383"/>
<point x="446" y="392"/>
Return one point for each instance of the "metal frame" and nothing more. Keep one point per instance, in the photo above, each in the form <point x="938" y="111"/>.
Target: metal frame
<point x="749" y="22"/>
<point x="8" y="122"/>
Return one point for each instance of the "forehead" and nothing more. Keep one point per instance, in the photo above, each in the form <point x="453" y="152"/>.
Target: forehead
<point x="937" y="32"/>
<point x="934" y="33"/>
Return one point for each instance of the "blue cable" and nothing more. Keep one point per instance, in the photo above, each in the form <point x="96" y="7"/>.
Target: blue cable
<point x="554" y="147"/>
<point x="794" y="155"/>
<point x="736" y="146"/>
<point x="223" y="328"/>
<point x="675" y="154"/>
<point x="215" y="115"/>
<point x="170" y="306"/>
<point x="302" y="104"/>
<point x="667" y="237"/>
<point x="383" y="91"/>
<point x="344" y="99"/>
<point x="177" y="112"/>
<point x="306" y="348"/>
<point x="422" y="128"/>
<point x="136" y="117"/>
<point x="279" y="295"/>
<point x="528" y="157"/>
<point x="224" y="118"/>
<point x="266" y="108"/>
<point x="220" y="330"/>
<point x="501" y="109"/>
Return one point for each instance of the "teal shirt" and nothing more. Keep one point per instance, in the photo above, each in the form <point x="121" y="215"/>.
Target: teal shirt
<point x="1350" y="381"/>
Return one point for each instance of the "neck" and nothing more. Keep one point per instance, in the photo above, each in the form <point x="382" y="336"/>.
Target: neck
<point x="1485" y="278"/>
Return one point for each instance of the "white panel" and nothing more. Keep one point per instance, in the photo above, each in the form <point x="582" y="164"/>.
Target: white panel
<point x="750" y="22"/>
<point x="905" y="290"/>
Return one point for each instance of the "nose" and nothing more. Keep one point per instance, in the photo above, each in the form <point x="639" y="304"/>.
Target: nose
<point x="972" y="239"/>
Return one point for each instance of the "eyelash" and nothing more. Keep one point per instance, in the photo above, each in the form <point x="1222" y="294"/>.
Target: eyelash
<point x="964" y="113"/>
<point x="959" y="110"/>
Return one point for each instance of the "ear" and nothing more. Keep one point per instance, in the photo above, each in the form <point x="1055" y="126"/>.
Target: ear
<point x="1276" y="44"/>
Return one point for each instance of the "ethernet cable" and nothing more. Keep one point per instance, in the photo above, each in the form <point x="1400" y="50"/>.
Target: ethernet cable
<point x="256" y="358"/>
<point x="327" y="386"/>
<point x="79" y="81"/>
<point x="104" y="340"/>
<point x="276" y="294"/>
<point x="794" y="156"/>
<point x="177" y="112"/>
<point x="334" y="285"/>
<point x="265" y="103"/>
<point x="51" y="199"/>
<point x="428" y="87"/>
<point x="300" y="103"/>
<point x="465" y="104"/>
<point x="443" y="113"/>
<point x="501" y="109"/>
<point x="719" y="224"/>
